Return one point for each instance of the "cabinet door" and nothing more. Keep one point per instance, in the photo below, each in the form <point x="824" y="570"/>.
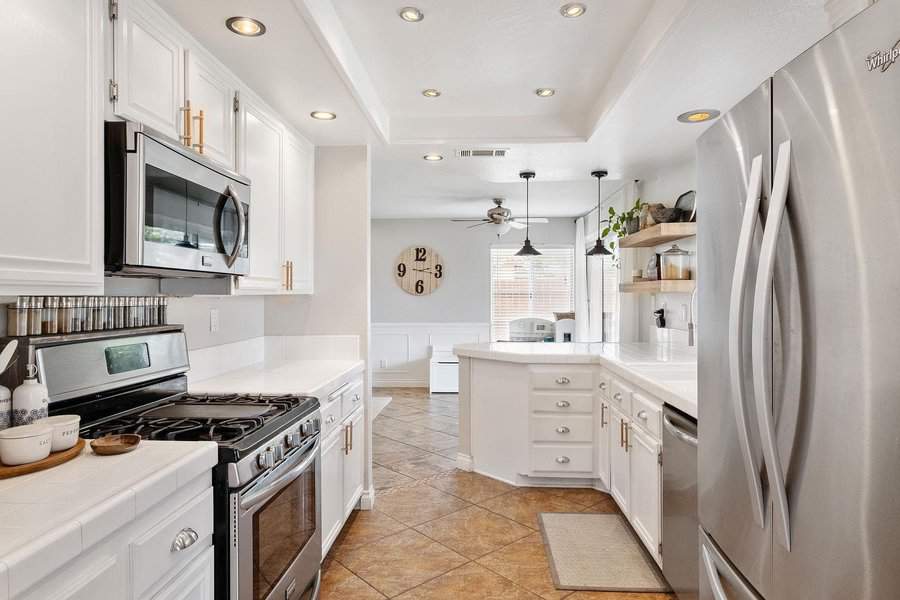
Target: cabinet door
<point x="104" y="577"/>
<point x="212" y="90"/>
<point x="332" y="487"/>
<point x="354" y="460"/>
<point x="299" y="213"/>
<point x="619" y="469"/>
<point x="603" y="441"/>
<point x="149" y="68"/>
<point x="195" y="582"/>
<point x="52" y="148"/>
<point x="646" y="489"/>
<point x="260" y="160"/>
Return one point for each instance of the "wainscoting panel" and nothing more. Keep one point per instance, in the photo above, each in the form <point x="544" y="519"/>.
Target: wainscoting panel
<point x="400" y="351"/>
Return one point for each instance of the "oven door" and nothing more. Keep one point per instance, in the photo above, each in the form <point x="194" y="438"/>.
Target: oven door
<point x="183" y="213"/>
<point x="278" y="547"/>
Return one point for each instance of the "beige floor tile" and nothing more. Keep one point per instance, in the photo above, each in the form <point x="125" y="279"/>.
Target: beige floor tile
<point x="469" y="486"/>
<point x="365" y="527"/>
<point x="525" y="564"/>
<point x="583" y="496"/>
<point x="607" y="505"/>
<point x="338" y="583"/>
<point x="415" y="504"/>
<point x="620" y="596"/>
<point x="474" y="531"/>
<point x="438" y="423"/>
<point x="400" y="562"/>
<point x="524" y="505"/>
<point x="450" y="452"/>
<point x="396" y="430"/>
<point x="386" y="451"/>
<point x="386" y="478"/>
<point x="425" y="467"/>
<point x="433" y="441"/>
<point x="396" y="411"/>
<point x="469" y="582"/>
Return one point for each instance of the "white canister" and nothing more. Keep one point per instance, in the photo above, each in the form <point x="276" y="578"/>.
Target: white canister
<point x="30" y="400"/>
<point x="5" y="408"/>
<point x="65" y="430"/>
<point x="26" y="444"/>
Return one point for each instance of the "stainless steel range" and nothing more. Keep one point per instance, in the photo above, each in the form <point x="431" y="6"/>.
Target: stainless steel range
<point x="267" y="497"/>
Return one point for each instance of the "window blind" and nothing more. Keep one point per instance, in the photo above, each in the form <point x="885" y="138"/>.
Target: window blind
<point x="530" y="286"/>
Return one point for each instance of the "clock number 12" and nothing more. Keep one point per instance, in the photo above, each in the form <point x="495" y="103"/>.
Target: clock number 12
<point x="420" y="254"/>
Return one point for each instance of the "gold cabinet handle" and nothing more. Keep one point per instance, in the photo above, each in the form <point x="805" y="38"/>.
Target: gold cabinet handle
<point x="603" y="422"/>
<point x="621" y="433"/>
<point x="351" y="436"/>
<point x="284" y="275"/>
<point x="201" y="119"/>
<point x="187" y="122"/>
<point x="290" y="275"/>
<point x="627" y="436"/>
<point x="346" y="439"/>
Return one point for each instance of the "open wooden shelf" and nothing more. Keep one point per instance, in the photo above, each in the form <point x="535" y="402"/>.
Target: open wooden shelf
<point x="658" y="234"/>
<point x="666" y="286"/>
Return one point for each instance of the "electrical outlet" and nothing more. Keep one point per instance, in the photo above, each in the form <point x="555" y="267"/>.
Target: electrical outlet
<point x="213" y="320"/>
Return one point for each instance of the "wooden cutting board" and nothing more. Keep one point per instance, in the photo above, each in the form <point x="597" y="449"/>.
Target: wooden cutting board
<point x="55" y="459"/>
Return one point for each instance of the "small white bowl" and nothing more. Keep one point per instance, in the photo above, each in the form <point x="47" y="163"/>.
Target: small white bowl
<point x="65" y="430"/>
<point x="25" y="444"/>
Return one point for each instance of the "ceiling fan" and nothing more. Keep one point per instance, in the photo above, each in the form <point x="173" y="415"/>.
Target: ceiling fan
<point x="501" y="218"/>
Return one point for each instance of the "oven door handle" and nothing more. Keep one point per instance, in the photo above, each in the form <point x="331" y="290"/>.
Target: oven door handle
<point x="280" y="482"/>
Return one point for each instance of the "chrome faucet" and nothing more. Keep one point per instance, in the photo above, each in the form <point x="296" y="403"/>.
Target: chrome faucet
<point x="690" y="323"/>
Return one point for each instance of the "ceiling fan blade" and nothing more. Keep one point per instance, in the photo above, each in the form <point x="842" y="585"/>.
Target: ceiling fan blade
<point x="516" y="225"/>
<point x="467" y="220"/>
<point x="533" y="220"/>
<point x="477" y="225"/>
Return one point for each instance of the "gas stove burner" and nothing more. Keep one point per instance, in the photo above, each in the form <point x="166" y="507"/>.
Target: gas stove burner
<point x="213" y="430"/>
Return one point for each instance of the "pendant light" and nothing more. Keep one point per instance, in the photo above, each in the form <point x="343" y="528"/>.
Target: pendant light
<point x="599" y="249"/>
<point x="527" y="248"/>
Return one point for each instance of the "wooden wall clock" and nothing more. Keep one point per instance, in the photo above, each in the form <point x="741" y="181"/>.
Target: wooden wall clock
<point x="419" y="270"/>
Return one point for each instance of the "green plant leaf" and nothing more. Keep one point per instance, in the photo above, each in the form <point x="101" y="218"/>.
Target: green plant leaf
<point x="605" y="232"/>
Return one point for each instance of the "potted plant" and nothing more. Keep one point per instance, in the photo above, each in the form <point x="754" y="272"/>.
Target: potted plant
<point x="623" y="223"/>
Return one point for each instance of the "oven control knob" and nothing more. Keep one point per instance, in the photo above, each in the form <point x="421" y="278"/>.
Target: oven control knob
<point x="266" y="459"/>
<point x="278" y="452"/>
<point x="292" y="440"/>
<point x="307" y="429"/>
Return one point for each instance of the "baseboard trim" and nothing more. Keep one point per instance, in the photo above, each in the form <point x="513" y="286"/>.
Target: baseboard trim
<point x="397" y="383"/>
<point x="464" y="462"/>
<point x="367" y="499"/>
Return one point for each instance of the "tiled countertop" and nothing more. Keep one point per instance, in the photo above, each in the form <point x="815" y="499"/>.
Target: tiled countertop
<point x="50" y="517"/>
<point x="278" y="377"/>
<point x="667" y="371"/>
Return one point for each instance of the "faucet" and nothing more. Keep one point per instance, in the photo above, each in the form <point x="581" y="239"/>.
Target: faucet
<point x="690" y="323"/>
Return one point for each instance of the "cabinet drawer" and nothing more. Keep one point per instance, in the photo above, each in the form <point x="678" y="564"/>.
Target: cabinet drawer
<point x="582" y="402"/>
<point x="646" y="413"/>
<point x="352" y="398"/>
<point x="157" y="551"/>
<point x="563" y="459"/>
<point x="562" y="378"/>
<point x="562" y="428"/>
<point x="331" y="416"/>
<point x="620" y="395"/>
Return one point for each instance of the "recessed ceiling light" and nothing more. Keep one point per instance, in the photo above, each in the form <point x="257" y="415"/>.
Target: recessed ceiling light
<point x="431" y="93"/>
<point x="572" y="10"/>
<point x="411" y="14"/>
<point x="545" y="92"/>
<point x="433" y="157"/>
<point x="698" y="116"/>
<point x="323" y="115"/>
<point x="245" y="26"/>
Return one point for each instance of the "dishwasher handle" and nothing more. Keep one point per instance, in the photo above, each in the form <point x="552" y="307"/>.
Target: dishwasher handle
<point x="679" y="433"/>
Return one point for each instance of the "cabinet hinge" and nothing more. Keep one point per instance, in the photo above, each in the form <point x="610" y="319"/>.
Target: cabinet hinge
<point x="113" y="91"/>
<point x="236" y="103"/>
<point x="113" y="10"/>
<point x="659" y="458"/>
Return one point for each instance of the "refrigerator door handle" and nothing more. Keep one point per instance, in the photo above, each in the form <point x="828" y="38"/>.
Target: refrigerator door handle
<point x="762" y="308"/>
<point x="735" y="328"/>
<point x="712" y="575"/>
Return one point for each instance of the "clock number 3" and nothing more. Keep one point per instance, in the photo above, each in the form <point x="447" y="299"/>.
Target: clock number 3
<point x="438" y="271"/>
<point x="401" y="270"/>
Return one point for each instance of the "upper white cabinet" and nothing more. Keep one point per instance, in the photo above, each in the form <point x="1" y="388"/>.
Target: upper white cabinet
<point x="52" y="64"/>
<point x="298" y="214"/>
<point x="148" y="84"/>
<point x="213" y="91"/>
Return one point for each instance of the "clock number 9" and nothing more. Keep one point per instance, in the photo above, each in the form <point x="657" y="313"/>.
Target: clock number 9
<point x="420" y="286"/>
<point x="401" y="270"/>
<point x="438" y="271"/>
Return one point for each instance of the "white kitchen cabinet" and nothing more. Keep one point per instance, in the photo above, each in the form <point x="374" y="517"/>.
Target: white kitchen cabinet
<point x="603" y="443"/>
<point x="354" y="460"/>
<point x="52" y="148"/>
<point x="332" y="487"/>
<point x="259" y="158"/>
<point x="195" y="582"/>
<point x="211" y="89"/>
<point x="619" y="464"/>
<point x="298" y="214"/>
<point x="646" y="488"/>
<point x="148" y="68"/>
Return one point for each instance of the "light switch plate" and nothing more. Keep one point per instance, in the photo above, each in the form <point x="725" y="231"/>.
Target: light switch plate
<point x="213" y="320"/>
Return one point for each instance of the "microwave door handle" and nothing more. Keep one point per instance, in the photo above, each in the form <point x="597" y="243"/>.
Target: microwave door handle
<point x="242" y="226"/>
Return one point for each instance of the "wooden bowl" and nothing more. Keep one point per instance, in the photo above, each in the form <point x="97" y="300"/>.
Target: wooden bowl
<point x="115" y="444"/>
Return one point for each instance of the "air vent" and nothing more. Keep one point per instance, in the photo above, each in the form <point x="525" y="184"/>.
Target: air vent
<point x="482" y="152"/>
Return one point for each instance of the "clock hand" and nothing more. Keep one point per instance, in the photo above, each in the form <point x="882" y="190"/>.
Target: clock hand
<point x="422" y="270"/>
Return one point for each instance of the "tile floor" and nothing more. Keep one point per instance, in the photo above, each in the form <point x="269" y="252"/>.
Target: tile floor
<point x="441" y="534"/>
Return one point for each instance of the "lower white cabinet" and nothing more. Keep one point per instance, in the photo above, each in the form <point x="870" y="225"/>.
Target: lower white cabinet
<point x="332" y="487"/>
<point x="619" y="467"/>
<point x="354" y="460"/>
<point x="603" y="442"/>
<point x="646" y="488"/>
<point x="195" y="582"/>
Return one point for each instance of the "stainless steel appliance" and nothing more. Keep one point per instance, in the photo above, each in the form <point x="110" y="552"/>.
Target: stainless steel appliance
<point x="681" y="549"/>
<point x="267" y="499"/>
<point x="799" y="194"/>
<point x="171" y="212"/>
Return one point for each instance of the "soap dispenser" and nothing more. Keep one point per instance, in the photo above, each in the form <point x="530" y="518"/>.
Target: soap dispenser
<point x="660" y="315"/>
<point x="30" y="400"/>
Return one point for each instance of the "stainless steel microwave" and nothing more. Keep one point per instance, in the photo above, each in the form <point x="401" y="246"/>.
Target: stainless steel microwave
<point x="171" y="212"/>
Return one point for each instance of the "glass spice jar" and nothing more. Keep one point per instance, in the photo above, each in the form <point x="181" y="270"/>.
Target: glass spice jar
<point x="676" y="263"/>
<point x="17" y="317"/>
<point x="36" y="315"/>
<point x="51" y="316"/>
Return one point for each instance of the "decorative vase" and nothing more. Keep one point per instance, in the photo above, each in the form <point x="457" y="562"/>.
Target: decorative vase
<point x="633" y="225"/>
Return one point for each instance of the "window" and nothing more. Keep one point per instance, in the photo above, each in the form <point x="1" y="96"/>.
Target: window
<point x="530" y="286"/>
<point x="603" y="286"/>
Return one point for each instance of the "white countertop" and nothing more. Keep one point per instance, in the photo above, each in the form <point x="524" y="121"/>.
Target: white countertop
<point x="278" y="377"/>
<point x="668" y="371"/>
<point x="51" y="516"/>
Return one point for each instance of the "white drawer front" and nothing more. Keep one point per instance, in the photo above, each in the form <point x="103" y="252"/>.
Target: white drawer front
<point x="331" y="416"/>
<point x="620" y="395"/>
<point x="172" y="543"/>
<point x="562" y="459"/>
<point x="563" y="428"/>
<point x="578" y="402"/>
<point x="647" y="413"/>
<point x="562" y="378"/>
<point x="352" y="398"/>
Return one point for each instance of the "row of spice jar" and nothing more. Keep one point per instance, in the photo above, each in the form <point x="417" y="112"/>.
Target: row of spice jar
<point x="52" y="315"/>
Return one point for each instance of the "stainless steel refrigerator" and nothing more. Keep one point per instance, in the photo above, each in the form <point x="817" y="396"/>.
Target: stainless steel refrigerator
<point x="799" y="353"/>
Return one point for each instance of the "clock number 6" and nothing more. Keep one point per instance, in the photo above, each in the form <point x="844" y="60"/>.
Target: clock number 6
<point x="420" y="286"/>
<point x="401" y="270"/>
<point x="438" y="271"/>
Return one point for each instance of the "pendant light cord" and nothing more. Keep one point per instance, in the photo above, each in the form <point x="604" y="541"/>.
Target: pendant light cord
<point x="527" y="214"/>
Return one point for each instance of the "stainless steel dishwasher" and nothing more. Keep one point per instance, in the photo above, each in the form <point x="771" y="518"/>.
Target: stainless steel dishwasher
<point x="680" y="533"/>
